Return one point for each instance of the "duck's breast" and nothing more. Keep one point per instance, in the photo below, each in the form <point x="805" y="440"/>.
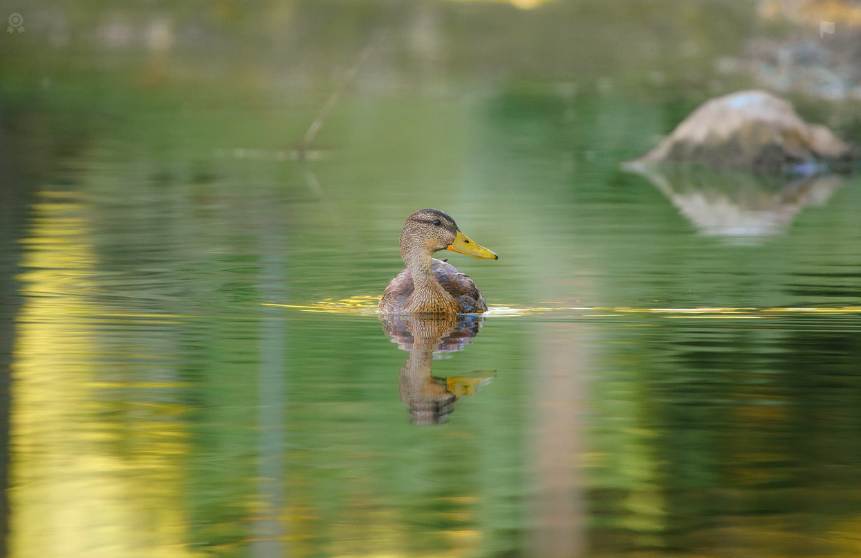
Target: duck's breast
<point x="459" y="285"/>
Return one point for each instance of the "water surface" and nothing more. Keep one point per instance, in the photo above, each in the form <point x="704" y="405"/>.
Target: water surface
<point x="670" y="366"/>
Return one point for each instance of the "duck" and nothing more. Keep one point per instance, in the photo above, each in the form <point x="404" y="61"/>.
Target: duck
<point x="429" y="285"/>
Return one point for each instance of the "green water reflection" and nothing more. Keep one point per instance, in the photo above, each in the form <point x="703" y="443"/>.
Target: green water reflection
<point x="193" y="367"/>
<point x="149" y="423"/>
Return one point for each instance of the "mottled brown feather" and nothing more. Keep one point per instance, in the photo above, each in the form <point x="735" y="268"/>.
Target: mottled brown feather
<point x="459" y="285"/>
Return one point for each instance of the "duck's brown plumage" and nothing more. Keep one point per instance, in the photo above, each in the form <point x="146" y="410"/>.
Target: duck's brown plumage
<point x="429" y="285"/>
<point x="459" y="285"/>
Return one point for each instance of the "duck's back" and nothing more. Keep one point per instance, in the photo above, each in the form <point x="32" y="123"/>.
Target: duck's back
<point x="459" y="285"/>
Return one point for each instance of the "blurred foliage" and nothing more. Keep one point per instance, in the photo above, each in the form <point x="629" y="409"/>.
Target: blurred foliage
<point x="165" y="207"/>
<point x="299" y="44"/>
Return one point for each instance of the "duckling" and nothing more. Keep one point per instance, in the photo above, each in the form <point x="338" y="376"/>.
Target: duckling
<point x="429" y="285"/>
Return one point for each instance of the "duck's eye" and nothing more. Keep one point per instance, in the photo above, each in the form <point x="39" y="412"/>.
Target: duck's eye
<point x="437" y="222"/>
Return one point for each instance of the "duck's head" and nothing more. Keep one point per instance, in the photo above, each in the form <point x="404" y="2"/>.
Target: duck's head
<point x="431" y="230"/>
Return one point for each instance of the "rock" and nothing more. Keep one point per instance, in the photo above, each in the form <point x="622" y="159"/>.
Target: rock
<point x="753" y="131"/>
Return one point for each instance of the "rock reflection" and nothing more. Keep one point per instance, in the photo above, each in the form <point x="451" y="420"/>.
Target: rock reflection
<point x="734" y="204"/>
<point x="428" y="397"/>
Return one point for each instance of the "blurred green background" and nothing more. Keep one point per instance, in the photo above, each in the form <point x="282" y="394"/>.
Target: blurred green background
<point x="676" y="373"/>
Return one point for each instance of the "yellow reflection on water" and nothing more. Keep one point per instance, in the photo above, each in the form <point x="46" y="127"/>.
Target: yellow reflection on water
<point x="92" y="474"/>
<point x="362" y="304"/>
<point x="367" y="304"/>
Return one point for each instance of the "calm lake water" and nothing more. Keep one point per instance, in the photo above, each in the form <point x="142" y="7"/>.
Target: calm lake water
<point x="670" y="366"/>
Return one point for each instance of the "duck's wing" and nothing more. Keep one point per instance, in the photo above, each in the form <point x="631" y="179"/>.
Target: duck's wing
<point x="397" y="292"/>
<point x="460" y="286"/>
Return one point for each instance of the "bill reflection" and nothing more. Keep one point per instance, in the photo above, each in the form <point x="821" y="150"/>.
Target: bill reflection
<point x="430" y="398"/>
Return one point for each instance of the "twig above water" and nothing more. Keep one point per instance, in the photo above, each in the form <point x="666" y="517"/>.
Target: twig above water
<point x="330" y="103"/>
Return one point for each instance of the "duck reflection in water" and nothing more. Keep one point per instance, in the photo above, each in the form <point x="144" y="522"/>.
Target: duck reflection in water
<point x="428" y="397"/>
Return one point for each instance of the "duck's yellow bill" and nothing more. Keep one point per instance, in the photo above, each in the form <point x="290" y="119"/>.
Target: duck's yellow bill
<point x="464" y="245"/>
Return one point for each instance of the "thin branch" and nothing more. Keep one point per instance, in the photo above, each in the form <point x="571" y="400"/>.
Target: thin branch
<point x="324" y="112"/>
